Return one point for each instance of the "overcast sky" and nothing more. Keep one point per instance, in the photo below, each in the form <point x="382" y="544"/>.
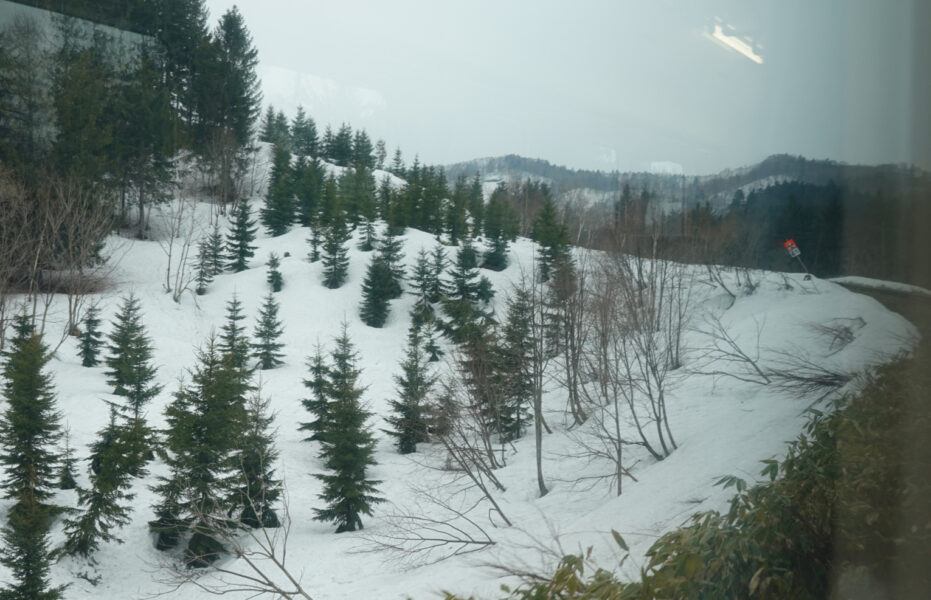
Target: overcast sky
<point x="598" y="84"/>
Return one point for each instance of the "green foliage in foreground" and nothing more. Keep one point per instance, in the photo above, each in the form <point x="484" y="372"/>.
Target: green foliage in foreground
<point x="845" y="514"/>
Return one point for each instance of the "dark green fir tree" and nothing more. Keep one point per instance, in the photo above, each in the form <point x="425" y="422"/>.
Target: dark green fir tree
<point x="267" y="348"/>
<point x="239" y="248"/>
<point x="234" y="342"/>
<point x="408" y="421"/>
<point x="66" y="473"/>
<point x="273" y="277"/>
<point x="29" y="431"/>
<point x="258" y="489"/>
<point x="203" y="270"/>
<point x="335" y="254"/>
<point x="377" y="288"/>
<point x="390" y="251"/>
<point x="551" y="234"/>
<point x="132" y="374"/>
<point x="90" y="338"/>
<point x="348" y="446"/>
<point x="514" y="366"/>
<point x="106" y="504"/>
<point x="318" y="404"/>
<point x="206" y="422"/>
<point x="279" y="211"/>
<point x="215" y="258"/>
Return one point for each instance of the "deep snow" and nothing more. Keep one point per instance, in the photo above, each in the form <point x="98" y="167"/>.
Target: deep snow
<point x="723" y="426"/>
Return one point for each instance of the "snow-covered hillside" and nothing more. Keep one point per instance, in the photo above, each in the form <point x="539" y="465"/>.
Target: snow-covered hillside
<point x="722" y="426"/>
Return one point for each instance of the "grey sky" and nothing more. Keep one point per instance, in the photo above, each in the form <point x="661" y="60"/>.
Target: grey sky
<point x="598" y="84"/>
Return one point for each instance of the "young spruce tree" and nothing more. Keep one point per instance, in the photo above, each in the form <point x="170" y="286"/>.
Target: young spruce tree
<point x="131" y="373"/>
<point x="267" y="348"/>
<point x="318" y="405"/>
<point x="274" y="278"/>
<point x="257" y="487"/>
<point x="239" y="248"/>
<point x="106" y="505"/>
<point x="335" y="254"/>
<point x="91" y="338"/>
<point x="390" y="251"/>
<point x="408" y="423"/>
<point x="29" y="430"/>
<point x="376" y="293"/>
<point x="347" y="445"/>
<point x="206" y="421"/>
<point x="233" y="339"/>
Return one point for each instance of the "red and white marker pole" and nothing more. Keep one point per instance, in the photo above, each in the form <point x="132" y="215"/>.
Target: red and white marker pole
<point x="792" y="248"/>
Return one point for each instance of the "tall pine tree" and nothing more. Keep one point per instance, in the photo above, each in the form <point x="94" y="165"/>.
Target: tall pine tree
<point x="335" y="254"/>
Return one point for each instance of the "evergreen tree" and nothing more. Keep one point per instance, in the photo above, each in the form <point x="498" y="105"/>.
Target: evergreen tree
<point x="131" y="372"/>
<point x="335" y="254"/>
<point x="91" y="338"/>
<point x="233" y="342"/>
<point x="239" y="248"/>
<point x="376" y="291"/>
<point x="421" y="288"/>
<point x="303" y="134"/>
<point x="363" y="153"/>
<point x="274" y="279"/>
<point x="279" y="211"/>
<point x="203" y="270"/>
<point x="267" y="348"/>
<point x="106" y="504"/>
<point x="257" y="487"/>
<point x="316" y="241"/>
<point x="206" y="421"/>
<point x="30" y="426"/>
<point x="308" y="191"/>
<point x="466" y="295"/>
<point x="66" y="480"/>
<point x="500" y="228"/>
<point x="318" y="403"/>
<point x="340" y="148"/>
<point x="552" y="236"/>
<point x="408" y="423"/>
<point x="514" y="365"/>
<point x="455" y="222"/>
<point x="347" y="446"/>
<point x="390" y="252"/>
<point x="215" y="254"/>
<point x="24" y="551"/>
<point x="397" y="164"/>
<point x="29" y="430"/>
<point x="438" y="265"/>
<point x="476" y="205"/>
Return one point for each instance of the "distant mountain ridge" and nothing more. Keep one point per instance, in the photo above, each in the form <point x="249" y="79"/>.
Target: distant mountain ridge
<point x="718" y="189"/>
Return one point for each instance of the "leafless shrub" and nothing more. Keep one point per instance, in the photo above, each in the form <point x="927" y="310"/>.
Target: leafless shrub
<point x="435" y="528"/>
<point x="838" y="333"/>
<point x="465" y="441"/>
<point x="794" y="372"/>
<point x="257" y="565"/>
<point x="725" y="356"/>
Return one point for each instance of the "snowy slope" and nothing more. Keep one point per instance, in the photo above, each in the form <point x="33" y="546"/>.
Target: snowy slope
<point x="722" y="426"/>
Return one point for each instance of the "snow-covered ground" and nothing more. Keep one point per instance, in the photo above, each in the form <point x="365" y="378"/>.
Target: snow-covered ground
<point x="722" y="426"/>
<point x="882" y="285"/>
